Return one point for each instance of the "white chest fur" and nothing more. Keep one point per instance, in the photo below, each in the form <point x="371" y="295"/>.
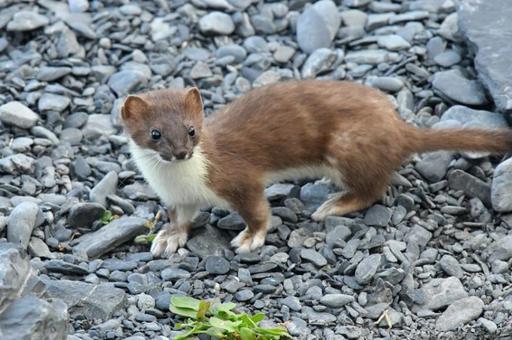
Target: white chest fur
<point x="177" y="183"/>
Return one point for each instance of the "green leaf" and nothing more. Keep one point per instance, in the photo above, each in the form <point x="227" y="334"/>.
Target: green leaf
<point x="106" y="217"/>
<point x="257" y="318"/>
<point x="247" y="334"/>
<point x="225" y="307"/>
<point x="215" y="332"/>
<point x="189" y="313"/>
<point x="150" y="237"/>
<point x="281" y="332"/>
<point x="227" y="325"/>
<point x="185" y="302"/>
<point x="141" y="239"/>
<point x="204" y="306"/>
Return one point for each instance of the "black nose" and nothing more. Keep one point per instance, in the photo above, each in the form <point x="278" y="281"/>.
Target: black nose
<point x="181" y="154"/>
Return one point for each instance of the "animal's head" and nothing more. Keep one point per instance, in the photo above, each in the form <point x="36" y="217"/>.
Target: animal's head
<point x="168" y="122"/>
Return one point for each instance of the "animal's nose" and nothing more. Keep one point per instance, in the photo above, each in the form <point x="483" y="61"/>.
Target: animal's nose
<point x="181" y="154"/>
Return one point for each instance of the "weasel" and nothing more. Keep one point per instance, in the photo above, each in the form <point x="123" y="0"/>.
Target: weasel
<point x="291" y="130"/>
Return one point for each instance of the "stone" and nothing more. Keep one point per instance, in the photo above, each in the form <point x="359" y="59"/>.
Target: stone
<point x="476" y="18"/>
<point x="434" y="165"/>
<point x="442" y="292"/>
<point x="32" y="318"/>
<point x="161" y="30"/>
<point x="354" y="17"/>
<point x="145" y="301"/>
<point x="49" y="73"/>
<point x="244" y="295"/>
<point x="447" y="58"/>
<point x="53" y="102"/>
<point x="489" y="325"/>
<point x="232" y="221"/>
<point x="471" y="185"/>
<point x="313" y="256"/>
<point x="216" y="23"/>
<point x="319" y="61"/>
<point x="371" y="57"/>
<point x="393" y="42"/>
<point x="84" y="214"/>
<point x="110" y="236"/>
<point x="338" y="236"/>
<point x="208" y="241"/>
<point x="453" y="86"/>
<point x="21" y="223"/>
<point x="217" y="265"/>
<point x="336" y="300"/>
<point x="283" y="53"/>
<point x="468" y="118"/>
<point x="17" y="163"/>
<point x="501" y="249"/>
<point x="451" y="266"/>
<point x="78" y="6"/>
<point x="63" y="267"/>
<point x="17" y="114"/>
<point x="27" y="21"/>
<point x="389" y="84"/>
<point x="378" y="215"/>
<point x="317" y="26"/>
<point x="92" y="301"/>
<point x="356" y="3"/>
<point x="126" y="81"/>
<point x="291" y="302"/>
<point x="14" y="270"/>
<point x="38" y="248"/>
<point x="367" y="268"/>
<point x="98" y="125"/>
<point x="107" y="186"/>
<point x="314" y="194"/>
<point x="279" y="191"/>
<point x="501" y="195"/>
<point x="459" y="313"/>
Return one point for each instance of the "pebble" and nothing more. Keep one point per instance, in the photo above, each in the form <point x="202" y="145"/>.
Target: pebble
<point x="501" y="196"/>
<point x="459" y="313"/>
<point x="317" y="26"/>
<point x="336" y="300"/>
<point x="27" y="21"/>
<point x="21" y="223"/>
<point x="451" y="266"/>
<point x="216" y="23"/>
<point x="442" y="292"/>
<point x="217" y="265"/>
<point x="17" y="114"/>
<point x="378" y="215"/>
<point x="107" y="186"/>
<point x="319" y="61"/>
<point x="393" y="42"/>
<point x="367" y="268"/>
<point x="455" y="87"/>
<point x="313" y="256"/>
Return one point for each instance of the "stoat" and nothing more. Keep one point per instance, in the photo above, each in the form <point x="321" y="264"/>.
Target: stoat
<point x="347" y="132"/>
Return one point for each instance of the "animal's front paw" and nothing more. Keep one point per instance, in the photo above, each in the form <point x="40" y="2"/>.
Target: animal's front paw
<point x="168" y="240"/>
<point x="246" y="241"/>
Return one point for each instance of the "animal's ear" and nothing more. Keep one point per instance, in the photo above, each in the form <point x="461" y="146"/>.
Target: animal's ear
<point x="194" y="103"/>
<point x="133" y="106"/>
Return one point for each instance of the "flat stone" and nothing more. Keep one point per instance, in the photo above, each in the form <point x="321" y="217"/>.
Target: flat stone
<point x="378" y="215"/>
<point x="22" y="221"/>
<point x="367" y="268"/>
<point x="279" y="191"/>
<point x="447" y="58"/>
<point x="460" y="313"/>
<point x="319" y="61"/>
<point x="17" y="114"/>
<point x="317" y="26"/>
<point x="31" y="318"/>
<point x="27" y="21"/>
<point x="338" y="236"/>
<point x="471" y="185"/>
<point x="14" y="270"/>
<point x="314" y="257"/>
<point x="393" y="42"/>
<point x="232" y="221"/>
<point x="38" y="248"/>
<point x="336" y="300"/>
<point x="87" y="300"/>
<point x="84" y="214"/>
<point x="217" y="265"/>
<point x="208" y="241"/>
<point x="126" y="81"/>
<point x="49" y="73"/>
<point x="501" y="249"/>
<point x="98" y="125"/>
<point x="53" y="102"/>
<point x="110" y="236"/>
<point x="216" y="23"/>
<point x="451" y="266"/>
<point x="63" y="267"/>
<point x="107" y="186"/>
<point x="434" y="165"/>
<point x="354" y="17"/>
<point x="389" y="84"/>
<point x="501" y="195"/>
<point x="484" y="24"/>
<point x="292" y="302"/>
<point x="454" y="86"/>
<point x="442" y="292"/>
<point x="371" y="57"/>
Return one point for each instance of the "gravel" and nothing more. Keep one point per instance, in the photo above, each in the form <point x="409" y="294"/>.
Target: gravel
<point x="434" y="254"/>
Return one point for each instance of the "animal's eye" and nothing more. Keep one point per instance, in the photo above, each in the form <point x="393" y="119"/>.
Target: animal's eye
<point x="191" y="131"/>
<point x="155" y="134"/>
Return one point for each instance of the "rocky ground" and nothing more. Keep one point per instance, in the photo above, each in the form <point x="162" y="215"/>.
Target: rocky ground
<point x="434" y="255"/>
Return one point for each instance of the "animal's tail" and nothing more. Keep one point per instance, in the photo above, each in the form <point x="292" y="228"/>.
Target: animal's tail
<point x="497" y="141"/>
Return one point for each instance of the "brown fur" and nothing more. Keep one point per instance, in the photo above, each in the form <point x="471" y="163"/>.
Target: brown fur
<point x="347" y="126"/>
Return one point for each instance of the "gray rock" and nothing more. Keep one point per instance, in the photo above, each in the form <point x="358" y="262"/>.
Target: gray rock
<point x="319" y="61"/>
<point x="279" y="191"/>
<point x="17" y="163"/>
<point x="292" y="302"/>
<point x="354" y="17"/>
<point x="41" y="131"/>
<point x="87" y="300"/>
<point x="442" y="292"/>
<point x="353" y="332"/>
<point x="17" y="114"/>
<point x="314" y="194"/>
<point x="501" y="249"/>
<point x="447" y="58"/>
<point x="172" y="274"/>
<point x="433" y="166"/>
<point x="126" y="81"/>
<point x="14" y="271"/>
<point x="217" y="265"/>
<point x="336" y="300"/>
<point x="236" y="51"/>
<point x="22" y="221"/>
<point x="378" y="215"/>
<point x="161" y="30"/>
<point x="71" y="135"/>
<point x="63" y="267"/>
<point x="451" y="266"/>
<point x="22" y="144"/>
<point x="107" y="186"/>
<point x="53" y="102"/>
<point x="283" y="53"/>
<point x="38" y="248"/>
<point x="200" y="70"/>
<point x="389" y="84"/>
<point x="460" y="313"/>
<point x="216" y="23"/>
<point x="489" y="325"/>
<point x="471" y="185"/>
<point x="317" y="26"/>
<point x="371" y="57"/>
<point x="338" y="236"/>
<point x="393" y="42"/>
<point x="98" y="125"/>
<point x="244" y="295"/>
<point x="313" y="256"/>
<point x="367" y="268"/>
<point x="475" y="21"/>
<point x="31" y="318"/>
<point x="208" y="241"/>
<point x="27" y="21"/>
<point x="105" y="239"/>
<point x="78" y="5"/>
<point x="49" y="73"/>
<point x="232" y="221"/>
<point x="454" y="86"/>
<point x="501" y="195"/>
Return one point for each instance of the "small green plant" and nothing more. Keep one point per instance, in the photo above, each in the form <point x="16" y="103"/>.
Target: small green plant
<point x="220" y="321"/>
<point x="107" y="217"/>
<point x="150" y="236"/>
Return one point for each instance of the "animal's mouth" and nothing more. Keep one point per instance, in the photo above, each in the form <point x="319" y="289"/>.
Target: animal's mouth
<point x="174" y="159"/>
